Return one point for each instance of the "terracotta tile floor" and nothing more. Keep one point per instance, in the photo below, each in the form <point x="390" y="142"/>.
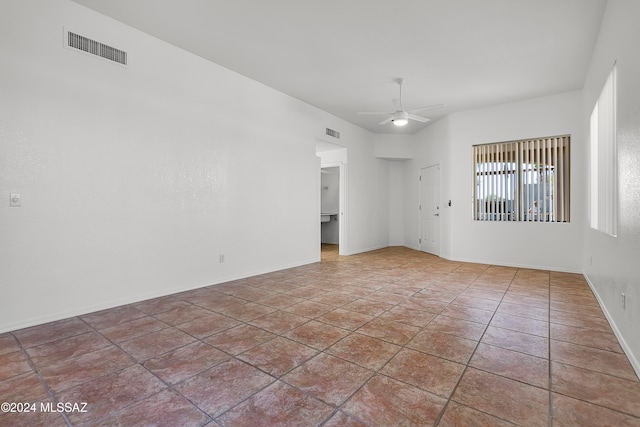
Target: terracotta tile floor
<point x="392" y="337"/>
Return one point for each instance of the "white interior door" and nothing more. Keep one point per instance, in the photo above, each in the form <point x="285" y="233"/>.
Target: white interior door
<point x="430" y="209"/>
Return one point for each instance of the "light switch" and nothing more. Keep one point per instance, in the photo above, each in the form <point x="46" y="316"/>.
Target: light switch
<point x="15" y="200"/>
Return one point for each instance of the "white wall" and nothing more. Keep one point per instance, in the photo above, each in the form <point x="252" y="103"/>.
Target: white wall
<point x="393" y="146"/>
<point x="367" y="194"/>
<point x="395" y="149"/>
<point x="432" y="146"/>
<point x="611" y="263"/>
<point x="396" y="202"/>
<point x="555" y="246"/>
<point x="448" y="143"/>
<point x="135" y="179"/>
<point x="329" y="158"/>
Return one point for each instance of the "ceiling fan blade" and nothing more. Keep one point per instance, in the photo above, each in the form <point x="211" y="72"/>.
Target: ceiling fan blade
<point x="374" y="112"/>
<point x="418" y="118"/>
<point x="397" y="104"/>
<point x="428" y="107"/>
<point x="385" y="121"/>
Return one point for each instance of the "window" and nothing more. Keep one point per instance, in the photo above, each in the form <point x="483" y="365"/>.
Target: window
<point x="604" y="174"/>
<point x="524" y="180"/>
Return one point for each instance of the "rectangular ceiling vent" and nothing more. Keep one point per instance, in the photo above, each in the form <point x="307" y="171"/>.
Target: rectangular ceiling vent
<point x="333" y="133"/>
<point x="96" y="48"/>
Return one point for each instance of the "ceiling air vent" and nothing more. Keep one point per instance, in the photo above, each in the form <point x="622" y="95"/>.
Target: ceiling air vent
<point x="96" y="48"/>
<point x="333" y="133"/>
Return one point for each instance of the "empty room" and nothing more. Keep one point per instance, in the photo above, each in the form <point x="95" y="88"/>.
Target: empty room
<point x="319" y="213"/>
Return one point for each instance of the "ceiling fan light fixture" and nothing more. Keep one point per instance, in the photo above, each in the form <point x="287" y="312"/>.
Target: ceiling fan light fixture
<point x="400" y="118"/>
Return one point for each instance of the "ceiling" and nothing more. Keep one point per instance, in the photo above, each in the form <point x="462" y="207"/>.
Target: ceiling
<point x="342" y="56"/>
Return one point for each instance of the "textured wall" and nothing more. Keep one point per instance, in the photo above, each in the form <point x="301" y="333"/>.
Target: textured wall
<point x="135" y="179"/>
<point x="611" y="263"/>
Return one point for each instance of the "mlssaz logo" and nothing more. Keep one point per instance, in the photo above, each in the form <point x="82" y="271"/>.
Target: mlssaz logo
<point x="67" y="407"/>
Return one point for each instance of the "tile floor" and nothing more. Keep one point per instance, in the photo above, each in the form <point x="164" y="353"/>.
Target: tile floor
<point x="392" y="337"/>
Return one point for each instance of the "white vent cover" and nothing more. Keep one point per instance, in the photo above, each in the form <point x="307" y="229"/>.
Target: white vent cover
<point x="333" y="133"/>
<point x="96" y="48"/>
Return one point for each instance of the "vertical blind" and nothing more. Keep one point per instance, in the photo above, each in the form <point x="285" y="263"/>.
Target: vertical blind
<point x="525" y="180"/>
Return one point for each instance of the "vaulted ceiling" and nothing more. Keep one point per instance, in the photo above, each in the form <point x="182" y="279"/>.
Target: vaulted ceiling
<point x="343" y="55"/>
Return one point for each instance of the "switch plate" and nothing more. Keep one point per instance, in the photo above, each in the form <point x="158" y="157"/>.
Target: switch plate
<point x="15" y="200"/>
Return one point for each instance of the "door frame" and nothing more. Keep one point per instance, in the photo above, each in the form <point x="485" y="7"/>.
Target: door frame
<point x="342" y="204"/>
<point x="420" y="211"/>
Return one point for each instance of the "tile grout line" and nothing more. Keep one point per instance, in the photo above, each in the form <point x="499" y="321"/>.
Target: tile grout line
<point x="169" y="386"/>
<point x="280" y="378"/>
<point x="466" y="366"/>
<point x="136" y="362"/>
<point x="580" y="399"/>
<point x="336" y="408"/>
<point x="377" y="371"/>
<point x="374" y="372"/>
<point x="41" y="380"/>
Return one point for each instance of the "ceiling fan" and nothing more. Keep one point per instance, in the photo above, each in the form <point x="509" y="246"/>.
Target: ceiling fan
<point x="400" y="116"/>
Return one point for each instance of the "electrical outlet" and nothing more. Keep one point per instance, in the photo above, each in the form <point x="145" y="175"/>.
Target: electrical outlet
<point x="221" y="258"/>
<point x="15" y="200"/>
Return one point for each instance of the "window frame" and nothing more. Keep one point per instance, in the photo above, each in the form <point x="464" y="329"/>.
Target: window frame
<point x="532" y="180"/>
<point x="604" y="159"/>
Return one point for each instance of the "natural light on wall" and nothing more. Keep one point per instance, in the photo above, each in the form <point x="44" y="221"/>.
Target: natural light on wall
<point x="604" y="176"/>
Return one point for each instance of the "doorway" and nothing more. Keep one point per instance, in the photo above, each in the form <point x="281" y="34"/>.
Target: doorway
<point x="329" y="206"/>
<point x="332" y="207"/>
<point x="333" y="215"/>
<point x="430" y="209"/>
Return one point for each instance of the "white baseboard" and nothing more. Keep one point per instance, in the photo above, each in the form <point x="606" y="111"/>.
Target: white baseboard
<point x="514" y="265"/>
<point x="52" y="317"/>
<point x="635" y="363"/>
<point x="372" y="248"/>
